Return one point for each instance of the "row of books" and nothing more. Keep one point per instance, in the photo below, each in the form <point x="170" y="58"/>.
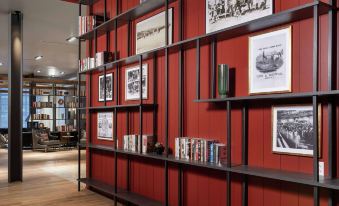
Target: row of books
<point x="62" y="93"/>
<point x="100" y="59"/>
<point x="86" y="64"/>
<point x="40" y="116"/>
<point x="42" y="104"/>
<point x="71" y="104"/>
<point x="87" y="23"/>
<point x="132" y="143"/>
<point x="40" y="92"/>
<point x="200" y="149"/>
<point x="65" y="128"/>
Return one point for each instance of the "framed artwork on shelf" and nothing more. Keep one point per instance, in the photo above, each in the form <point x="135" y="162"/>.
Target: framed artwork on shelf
<point x="292" y="130"/>
<point x="132" y="83"/>
<point x="221" y="14"/>
<point x="270" y="62"/>
<point x="151" y="32"/>
<point x="109" y="87"/>
<point x="105" y="126"/>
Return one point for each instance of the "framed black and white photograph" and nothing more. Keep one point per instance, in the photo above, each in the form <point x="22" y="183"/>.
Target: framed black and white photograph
<point x="105" y="126"/>
<point x="293" y="128"/>
<point x="109" y="87"/>
<point x="151" y="32"/>
<point x="221" y="14"/>
<point x="270" y="62"/>
<point x="132" y="83"/>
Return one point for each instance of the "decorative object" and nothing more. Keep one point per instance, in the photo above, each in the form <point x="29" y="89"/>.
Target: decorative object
<point x="293" y="128"/>
<point x="151" y="32"/>
<point x="105" y="126"/>
<point x="223" y="80"/>
<point x="109" y="87"/>
<point x="270" y="64"/>
<point x="221" y="14"/>
<point x="132" y="82"/>
<point x="159" y="148"/>
<point x="61" y="101"/>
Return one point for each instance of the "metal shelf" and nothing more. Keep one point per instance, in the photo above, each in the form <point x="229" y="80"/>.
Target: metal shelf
<point x="285" y="17"/>
<point x="123" y="18"/>
<point x="300" y="95"/>
<point x="122" y="194"/>
<point x="274" y="174"/>
<point x="121" y="107"/>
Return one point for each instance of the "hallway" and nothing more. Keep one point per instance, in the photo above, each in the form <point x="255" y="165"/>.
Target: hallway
<point x="49" y="179"/>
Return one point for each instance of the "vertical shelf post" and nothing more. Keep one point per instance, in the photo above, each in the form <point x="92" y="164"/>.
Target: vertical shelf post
<point x="213" y="66"/>
<point x="315" y="102"/>
<point x="166" y="102"/>
<point x="332" y="65"/>
<point x="245" y="153"/>
<point x="197" y="69"/>
<point x="79" y="111"/>
<point x="229" y="159"/>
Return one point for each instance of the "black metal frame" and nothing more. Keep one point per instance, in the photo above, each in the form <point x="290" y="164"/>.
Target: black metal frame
<point x="311" y="10"/>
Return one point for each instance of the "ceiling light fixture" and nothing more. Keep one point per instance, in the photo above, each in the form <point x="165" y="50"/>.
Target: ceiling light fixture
<point x="62" y="72"/>
<point x="71" y="39"/>
<point x="1" y="64"/>
<point x="38" y="57"/>
<point x="38" y="71"/>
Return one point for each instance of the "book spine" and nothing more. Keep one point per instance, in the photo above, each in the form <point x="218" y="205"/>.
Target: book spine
<point x="188" y="148"/>
<point x="177" y="147"/>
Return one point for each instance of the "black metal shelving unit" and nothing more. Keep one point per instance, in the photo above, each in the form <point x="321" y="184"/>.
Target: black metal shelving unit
<point x="307" y="11"/>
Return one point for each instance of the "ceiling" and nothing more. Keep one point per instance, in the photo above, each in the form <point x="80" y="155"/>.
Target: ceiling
<point x="46" y="26"/>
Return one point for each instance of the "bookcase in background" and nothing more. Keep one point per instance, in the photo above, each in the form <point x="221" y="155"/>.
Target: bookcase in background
<point x="183" y="103"/>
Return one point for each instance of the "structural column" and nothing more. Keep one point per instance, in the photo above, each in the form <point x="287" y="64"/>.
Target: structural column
<point x="15" y="97"/>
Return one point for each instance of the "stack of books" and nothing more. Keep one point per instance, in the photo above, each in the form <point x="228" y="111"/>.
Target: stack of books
<point x="42" y="104"/>
<point x="102" y="58"/>
<point x="200" y="149"/>
<point x="132" y="143"/>
<point x="40" y="116"/>
<point x="87" y="23"/>
<point x="86" y="64"/>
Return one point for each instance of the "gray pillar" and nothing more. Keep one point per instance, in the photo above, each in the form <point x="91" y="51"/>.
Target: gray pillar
<point x="15" y="97"/>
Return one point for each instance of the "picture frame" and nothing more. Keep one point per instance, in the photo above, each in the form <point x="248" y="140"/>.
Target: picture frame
<point x="270" y="62"/>
<point x="150" y="33"/>
<point x="132" y="82"/>
<point x="292" y="130"/>
<point x="222" y="14"/>
<point x="105" y="126"/>
<point x="109" y="87"/>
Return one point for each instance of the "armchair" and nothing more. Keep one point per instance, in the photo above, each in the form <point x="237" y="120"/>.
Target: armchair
<point x="43" y="140"/>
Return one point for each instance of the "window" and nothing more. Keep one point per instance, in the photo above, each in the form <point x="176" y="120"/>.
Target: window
<point x="4" y="109"/>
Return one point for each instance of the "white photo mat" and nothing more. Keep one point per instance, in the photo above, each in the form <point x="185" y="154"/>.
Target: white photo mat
<point x="109" y="87"/>
<point x="105" y="126"/>
<point x="292" y="130"/>
<point x="150" y="33"/>
<point x="221" y="14"/>
<point x="132" y="82"/>
<point x="270" y="62"/>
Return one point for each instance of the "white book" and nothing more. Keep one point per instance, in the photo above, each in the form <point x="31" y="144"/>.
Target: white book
<point x="177" y="147"/>
<point x="147" y="143"/>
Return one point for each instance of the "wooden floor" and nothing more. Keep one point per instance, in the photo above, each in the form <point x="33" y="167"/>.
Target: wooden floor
<point x="49" y="179"/>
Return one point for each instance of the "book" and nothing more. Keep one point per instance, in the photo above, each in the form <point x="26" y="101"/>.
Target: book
<point x="147" y="143"/>
<point x="177" y="147"/>
<point x="221" y="154"/>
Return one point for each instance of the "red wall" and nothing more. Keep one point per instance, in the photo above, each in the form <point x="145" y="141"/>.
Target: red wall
<point x="207" y="187"/>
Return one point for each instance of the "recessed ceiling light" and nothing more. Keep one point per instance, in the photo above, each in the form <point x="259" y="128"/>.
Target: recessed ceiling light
<point x="38" y="57"/>
<point x="38" y="71"/>
<point x="71" y="39"/>
<point x="1" y="64"/>
<point x="62" y="72"/>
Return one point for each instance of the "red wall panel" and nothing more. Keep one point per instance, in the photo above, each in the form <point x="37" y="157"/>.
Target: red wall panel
<point x="206" y="187"/>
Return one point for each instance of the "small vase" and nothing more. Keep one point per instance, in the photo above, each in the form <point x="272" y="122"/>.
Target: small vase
<point x="223" y="73"/>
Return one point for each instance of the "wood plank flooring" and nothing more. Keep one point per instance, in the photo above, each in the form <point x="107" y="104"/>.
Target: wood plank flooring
<point x="49" y="179"/>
